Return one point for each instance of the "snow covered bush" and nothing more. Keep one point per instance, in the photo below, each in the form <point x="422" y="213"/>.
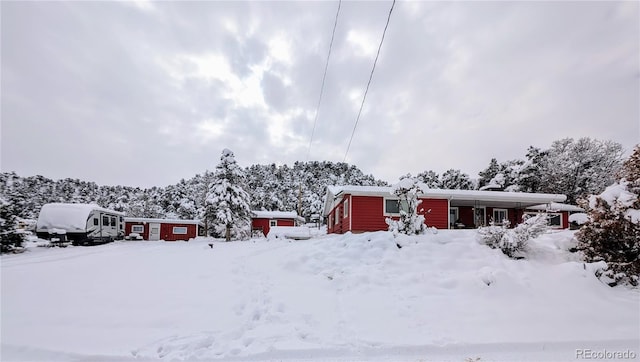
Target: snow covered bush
<point x="612" y="232"/>
<point x="227" y="206"/>
<point x="10" y="239"/>
<point x="513" y="242"/>
<point x="410" y="222"/>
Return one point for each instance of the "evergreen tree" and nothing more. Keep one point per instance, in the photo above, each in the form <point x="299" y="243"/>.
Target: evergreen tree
<point x="228" y="210"/>
<point x="488" y="173"/>
<point x="10" y="240"/>
<point x="456" y="180"/>
<point x="430" y="179"/>
<point x="612" y="233"/>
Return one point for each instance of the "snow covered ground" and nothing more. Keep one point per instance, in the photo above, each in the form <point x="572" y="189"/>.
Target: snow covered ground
<point x="441" y="297"/>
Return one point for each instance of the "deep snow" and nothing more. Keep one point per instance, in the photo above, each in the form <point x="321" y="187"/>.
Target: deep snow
<point x="348" y="297"/>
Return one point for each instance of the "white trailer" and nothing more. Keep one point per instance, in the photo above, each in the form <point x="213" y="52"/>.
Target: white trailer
<point x="79" y="223"/>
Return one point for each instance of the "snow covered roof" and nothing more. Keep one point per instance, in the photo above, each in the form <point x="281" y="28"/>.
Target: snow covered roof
<point x="277" y="215"/>
<point x="459" y="197"/>
<point x="162" y="221"/>
<point x="554" y="206"/>
<point x="70" y="217"/>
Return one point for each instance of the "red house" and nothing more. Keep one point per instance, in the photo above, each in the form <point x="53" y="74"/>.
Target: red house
<point x="163" y="229"/>
<point x="263" y="220"/>
<point x="365" y="208"/>
<point x="558" y="214"/>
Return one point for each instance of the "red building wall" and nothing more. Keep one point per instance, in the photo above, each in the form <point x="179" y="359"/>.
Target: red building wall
<point x="263" y="223"/>
<point x="166" y="231"/>
<point x="128" y="226"/>
<point x="438" y="217"/>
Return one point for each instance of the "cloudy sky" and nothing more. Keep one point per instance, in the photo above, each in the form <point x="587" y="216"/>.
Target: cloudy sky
<point x="144" y="94"/>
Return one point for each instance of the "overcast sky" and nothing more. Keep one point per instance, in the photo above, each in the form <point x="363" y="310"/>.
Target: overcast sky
<point x="144" y="94"/>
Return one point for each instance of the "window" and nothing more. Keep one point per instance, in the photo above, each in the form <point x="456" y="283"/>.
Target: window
<point x="554" y="220"/>
<point x="453" y="216"/>
<point x="105" y="220"/>
<point x="179" y="229"/>
<point x="137" y="229"/>
<point x="113" y="221"/>
<point x="96" y="221"/>
<point x="330" y="220"/>
<point x="393" y="206"/>
<point x="337" y="216"/>
<point x="346" y="208"/>
<point x="500" y="215"/>
<point x="273" y="223"/>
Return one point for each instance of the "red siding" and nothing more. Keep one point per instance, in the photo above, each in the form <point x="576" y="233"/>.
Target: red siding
<point x="565" y="219"/>
<point x="144" y="234"/>
<point x="263" y="223"/>
<point x="439" y="215"/>
<point x="367" y="214"/>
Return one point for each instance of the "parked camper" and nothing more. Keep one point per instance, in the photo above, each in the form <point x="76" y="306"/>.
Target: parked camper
<point x="79" y="223"/>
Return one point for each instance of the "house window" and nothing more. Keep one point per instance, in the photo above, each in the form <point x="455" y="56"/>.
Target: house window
<point x="393" y="206"/>
<point x="105" y="220"/>
<point x="113" y="221"/>
<point x="96" y="221"/>
<point x="337" y="215"/>
<point x="500" y="215"/>
<point x="346" y="208"/>
<point x="273" y="223"/>
<point x="554" y="220"/>
<point x="330" y="220"/>
<point x="137" y="229"/>
<point x="180" y="230"/>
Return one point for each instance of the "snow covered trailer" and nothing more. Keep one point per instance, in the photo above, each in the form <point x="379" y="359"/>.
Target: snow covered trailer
<point x="80" y="223"/>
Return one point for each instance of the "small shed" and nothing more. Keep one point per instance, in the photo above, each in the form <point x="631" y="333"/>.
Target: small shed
<point x="163" y="229"/>
<point x="262" y="221"/>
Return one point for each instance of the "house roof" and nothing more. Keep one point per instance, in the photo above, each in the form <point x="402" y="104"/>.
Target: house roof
<point x="456" y="197"/>
<point x="162" y="221"/>
<point x="554" y="206"/>
<point x="277" y="215"/>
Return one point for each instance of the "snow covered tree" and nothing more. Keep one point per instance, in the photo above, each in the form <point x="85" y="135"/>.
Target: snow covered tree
<point x="456" y="180"/>
<point x="10" y="240"/>
<point x="430" y="178"/>
<point x="612" y="232"/>
<point x="228" y="210"/>
<point x="411" y="222"/>
<point x="488" y="173"/>
<point x="579" y="168"/>
<point x="513" y="242"/>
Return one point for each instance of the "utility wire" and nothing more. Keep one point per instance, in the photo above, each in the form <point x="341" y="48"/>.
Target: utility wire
<point x="368" y="83"/>
<point x="324" y="76"/>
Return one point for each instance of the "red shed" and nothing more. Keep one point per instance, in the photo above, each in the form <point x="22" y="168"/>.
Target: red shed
<point x="163" y="229"/>
<point x="365" y="208"/>
<point x="264" y="220"/>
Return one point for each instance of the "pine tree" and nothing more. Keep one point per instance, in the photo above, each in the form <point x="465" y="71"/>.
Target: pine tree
<point x="456" y="180"/>
<point x="228" y="209"/>
<point x="488" y="173"/>
<point x="10" y="240"/>
<point x="612" y="233"/>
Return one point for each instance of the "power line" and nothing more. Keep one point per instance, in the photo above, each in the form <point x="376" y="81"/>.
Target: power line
<point x="368" y="83"/>
<point x="323" y="79"/>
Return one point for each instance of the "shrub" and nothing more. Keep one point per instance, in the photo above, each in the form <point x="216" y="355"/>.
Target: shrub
<point x="513" y="242"/>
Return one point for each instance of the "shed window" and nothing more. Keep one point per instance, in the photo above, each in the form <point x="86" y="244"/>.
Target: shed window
<point x="337" y="215"/>
<point x="105" y="220"/>
<point x="554" y="220"/>
<point x="137" y="229"/>
<point x="179" y="229"/>
<point x="393" y="206"/>
<point x="346" y="208"/>
<point x="273" y="223"/>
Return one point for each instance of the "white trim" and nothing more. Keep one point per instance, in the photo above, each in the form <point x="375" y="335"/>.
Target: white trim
<point x="273" y="223"/>
<point x="135" y="230"/>
<point x="336" y="215"/>
<point x="350" y="214"/>
<point x="384" y="206"/>
<point x="345" y="208"/>
<point x="186" y="230"/>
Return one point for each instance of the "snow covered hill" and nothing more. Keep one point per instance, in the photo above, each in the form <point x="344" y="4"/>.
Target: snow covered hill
<point x="336" y="297"/>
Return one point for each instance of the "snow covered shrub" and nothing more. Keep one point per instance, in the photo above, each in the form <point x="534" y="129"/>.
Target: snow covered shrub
<point x="10" y="239"/>
<point x="410" y="223"/>
<point x="612" y="232"/>
<point x="513" y="242"/>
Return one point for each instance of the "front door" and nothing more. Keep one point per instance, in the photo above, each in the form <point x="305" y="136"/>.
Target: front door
<point x="154" y="231"/>
<point x="480" y="216"/>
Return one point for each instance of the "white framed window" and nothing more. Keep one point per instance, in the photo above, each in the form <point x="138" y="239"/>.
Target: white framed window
<point x="137" y="229"/>
<point x="393" y="206"/>
<point x="330" y="220"/>
<point x="273" y="223"/>
<point x="337" y="217"/>
<point x="554" y="219"/>
<point x="346" y="208"/>
<point x="180" y="230"/>
<point x="499" y="215"/>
